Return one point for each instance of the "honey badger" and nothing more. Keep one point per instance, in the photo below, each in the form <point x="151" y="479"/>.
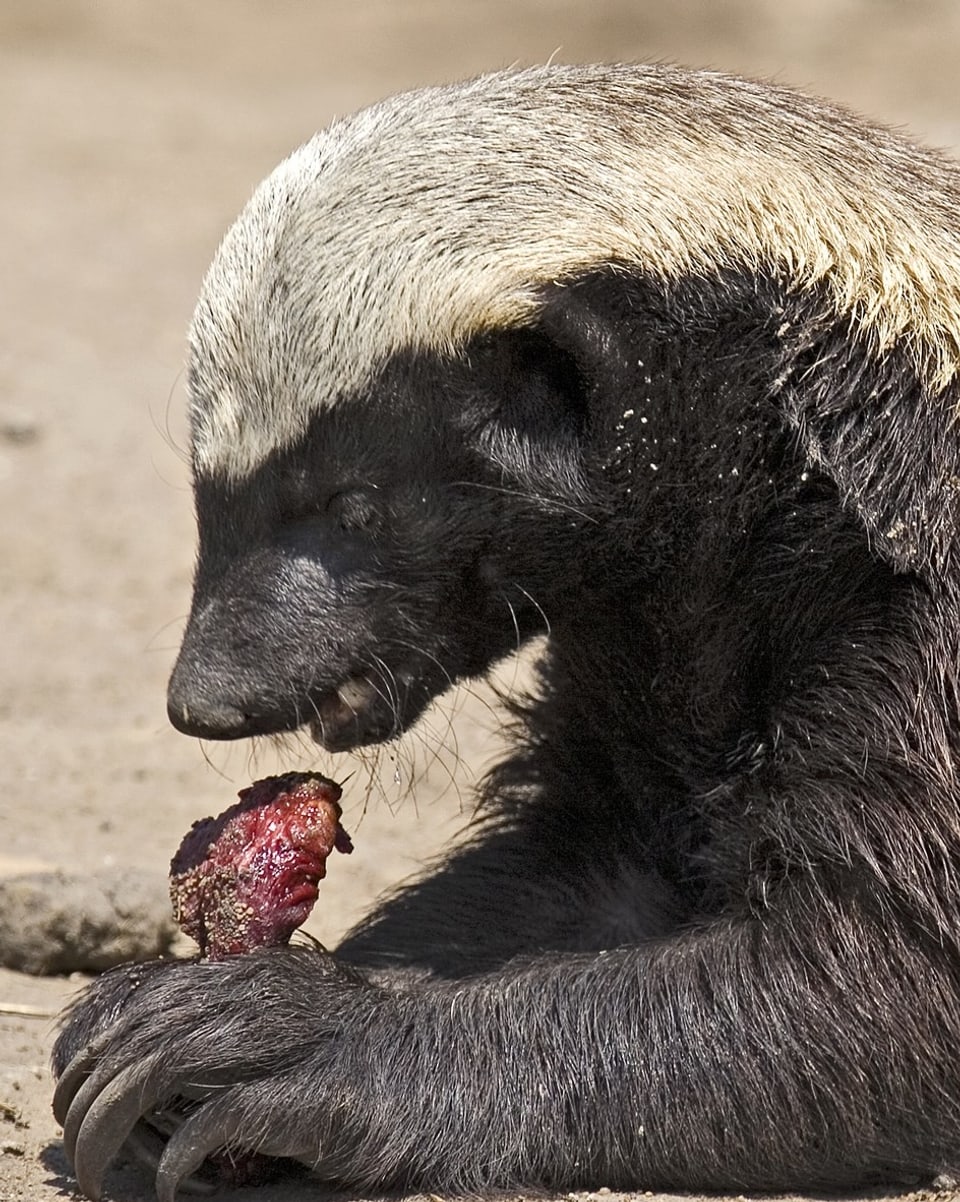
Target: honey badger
<point x="663" y="364"/>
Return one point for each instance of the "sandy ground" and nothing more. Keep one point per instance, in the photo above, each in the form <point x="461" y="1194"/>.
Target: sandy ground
<point x="132" y="132"/>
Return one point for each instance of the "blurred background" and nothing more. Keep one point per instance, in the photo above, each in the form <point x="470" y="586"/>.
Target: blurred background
<point x="131" y="133"/>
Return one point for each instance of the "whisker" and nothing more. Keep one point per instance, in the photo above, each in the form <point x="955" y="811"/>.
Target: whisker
<point x="392" y="685"/>
<point x="166" y="435"/>
<point x="513" y="615"/>
<point x="437" y="762"/>
<point x="441" y="742"/>
<point x="536" y="604"/>
<point x="151" y="644"/>
<point x="546" y="502"/>
<point x="165" y="431"/>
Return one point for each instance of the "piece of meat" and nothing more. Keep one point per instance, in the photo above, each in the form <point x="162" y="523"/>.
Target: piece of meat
<point x="248" y="878"/>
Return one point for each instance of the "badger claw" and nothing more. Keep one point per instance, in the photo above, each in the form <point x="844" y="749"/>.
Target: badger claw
<point x="103" y="1111"/>
<point x="110" y="1106"/>
<point x="198" y="1137"/>
<point x="73" y="1077"/>
<point x="146" y="1145"/>
<point x="102" y="1115"/>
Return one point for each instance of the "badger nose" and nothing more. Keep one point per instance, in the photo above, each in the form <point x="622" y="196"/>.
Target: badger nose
<point x="213" y="701"/>
<point x="195" y="712"/>
<point x="204" y="701"/>
<point x="206" y="719"/>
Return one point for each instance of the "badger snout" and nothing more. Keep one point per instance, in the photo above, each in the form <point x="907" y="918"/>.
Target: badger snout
<point x="221" y="688"/>
<point x="278" y="641"/>
<point x="270" y="633"/>
<point x="211" y="696"/>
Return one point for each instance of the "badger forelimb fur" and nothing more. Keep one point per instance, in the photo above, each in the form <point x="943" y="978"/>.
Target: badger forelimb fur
<point x="663" y="364"/>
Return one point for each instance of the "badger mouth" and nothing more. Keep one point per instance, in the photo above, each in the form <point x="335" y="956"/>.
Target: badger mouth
<point x="373" y="706"/>
<point x="356" y="713"/>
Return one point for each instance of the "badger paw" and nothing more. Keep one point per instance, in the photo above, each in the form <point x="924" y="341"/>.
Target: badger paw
<point x="192" y="1066"/>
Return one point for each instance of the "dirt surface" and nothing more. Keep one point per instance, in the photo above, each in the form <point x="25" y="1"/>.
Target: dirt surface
<point x="132" y="132"/>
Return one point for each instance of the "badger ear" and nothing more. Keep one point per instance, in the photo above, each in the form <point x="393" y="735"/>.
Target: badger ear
<point x="537" y="381"/>
<point x="890" y="443"/>
<point x="872" y="421"/>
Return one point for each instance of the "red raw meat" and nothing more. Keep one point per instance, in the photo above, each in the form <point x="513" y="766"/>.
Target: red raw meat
<point x="248" y="878"/>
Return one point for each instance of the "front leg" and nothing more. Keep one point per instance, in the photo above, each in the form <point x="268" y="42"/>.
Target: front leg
<point x="812" y="1050"/>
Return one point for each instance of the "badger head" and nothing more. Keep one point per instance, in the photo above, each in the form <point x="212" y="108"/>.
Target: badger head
<point x="407" y="407"/>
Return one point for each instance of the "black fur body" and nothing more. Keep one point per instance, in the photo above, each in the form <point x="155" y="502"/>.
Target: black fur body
<point x="707" y="933"/>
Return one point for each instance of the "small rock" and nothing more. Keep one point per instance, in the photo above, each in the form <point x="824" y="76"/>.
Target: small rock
<point x="12" y="1114"/>
<point x="18" y="427"/>
<point x="9" y="1148"/>
<point x="56" y="923"/>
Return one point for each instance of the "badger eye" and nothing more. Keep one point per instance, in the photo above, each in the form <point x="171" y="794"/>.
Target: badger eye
<point x="354" y="510"/>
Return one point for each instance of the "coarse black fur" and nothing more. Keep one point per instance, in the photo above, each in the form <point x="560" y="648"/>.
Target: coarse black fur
<point x="706" y="934"/>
